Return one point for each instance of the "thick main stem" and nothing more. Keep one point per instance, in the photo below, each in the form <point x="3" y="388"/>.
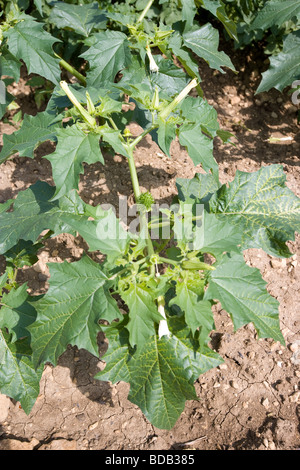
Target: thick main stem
<point x="137" y="193"/>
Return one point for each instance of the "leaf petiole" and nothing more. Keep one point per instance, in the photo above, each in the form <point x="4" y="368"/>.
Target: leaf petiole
<point x="145" y="11"/>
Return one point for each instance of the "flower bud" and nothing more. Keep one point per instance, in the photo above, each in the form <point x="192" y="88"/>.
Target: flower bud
<point x="155" y="99"/>
<point x="163" y="329"/>
<point x="84" y="114"/>
<point x="168" y="109"/>
<point x="153" y="65"/>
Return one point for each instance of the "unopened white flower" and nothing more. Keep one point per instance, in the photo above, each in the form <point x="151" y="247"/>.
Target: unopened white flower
<point x="152" y="64"/>
<point x="163" y="329"/>
<point x="84" y="114"/>
<point x="168" y="109"/>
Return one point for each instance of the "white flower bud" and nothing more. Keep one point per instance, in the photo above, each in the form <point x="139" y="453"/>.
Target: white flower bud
<point x="152" y="64"/>
<point x="163" y="329"/>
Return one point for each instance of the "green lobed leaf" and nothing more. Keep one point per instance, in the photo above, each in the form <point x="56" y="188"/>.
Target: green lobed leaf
<point x="200" y="188"/>
<point x="18" y="377"/>
<point x="284" y="67"/>
<point x="29" y="41"/>
<point x="198" y="111"/>
<point x="109" y="54"/>
<point x="216" y="236"/>
<point x="34" y="131"/>
<point x="184" y="55"/>
<point x="262" y="207"/>
<point x="161" y="372"/>
<point x="199" y="147"/>
<point x="218" y="9"/>
<point x="73" y="148"/>
<point x="80" y="18"/>
<point x="9" y="64"/>
<point x="104" y="233"/>
<point x="166" y="133"/>
<point x="204" y="42"/>
<point x="143" y="313"/>
<point x="113" y="138"/>
<point x="16" y="312"/>
<point x="242" y="293"/>
<point x="35" y="211"/>
<point x="160" y="385"/>
<point x="198" y="313"/>
<point x="69" y="313"/>
<point x="276" y="12"/>
<point x="118" y="355"/>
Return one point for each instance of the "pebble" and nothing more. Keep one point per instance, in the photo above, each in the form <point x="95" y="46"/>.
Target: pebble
<point x="93" y="426"/>
<point x="235" y="100"/>
<point x="234" y="384"/>
<point x="295" y="397"/>
<point x="278" y="263"/>
<point x="274" y="115"/>
<point x="294" y="346"/>
<point x="265" y="402"/>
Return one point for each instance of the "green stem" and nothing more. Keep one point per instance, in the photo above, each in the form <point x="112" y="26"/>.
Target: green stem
<point x="71" y="69"/>
<point x="168" y="261"/>
<point x="141" y="136"/>
<point x="137" y="193"/>
<point x="145" y="11"/>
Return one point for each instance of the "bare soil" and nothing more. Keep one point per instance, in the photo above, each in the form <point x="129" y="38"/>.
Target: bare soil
<point x="250" y="402"/>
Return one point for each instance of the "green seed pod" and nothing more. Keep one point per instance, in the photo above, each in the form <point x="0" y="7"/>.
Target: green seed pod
<point x="194" y="263"/>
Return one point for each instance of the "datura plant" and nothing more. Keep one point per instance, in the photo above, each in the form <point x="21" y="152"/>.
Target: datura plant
<point x="168" y="270"/>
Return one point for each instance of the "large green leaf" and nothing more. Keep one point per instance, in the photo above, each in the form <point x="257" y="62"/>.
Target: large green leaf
<point x="166" y="133"/>
<point x="118" y="355"/>
<point x="218" y="9"/>
<point x="109" y="54"/>
<point x="242" y="293"/>
<point x="16" y="312"/>
<point x="34" y="131"/>
<point x="104" y="233"/>
<point x="9" y="64"/>
<point x="35" y="211"/>
<point x="216" y="236"/>
<point x="184" y="55"/>
<point x="198" y="313"/>
<point x="28" y="41"/>
<point x="80" y="18"/>
<point x="73" y="148"/>
<point x="160" y="385"/>
<point x="284" y="67"/>
<point x="204" y="42"/>
<point x="199" y="147"/>
<point x="264" y="210"/>
<point x="161" y="372"/>
<point x="143" y="313"/>
<point x="200" y="188"/>
<point x="276" y="12"/>
<point x="18" y="377"/>
<point x="69" y="313"/>
<point x="198" y="111"/>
